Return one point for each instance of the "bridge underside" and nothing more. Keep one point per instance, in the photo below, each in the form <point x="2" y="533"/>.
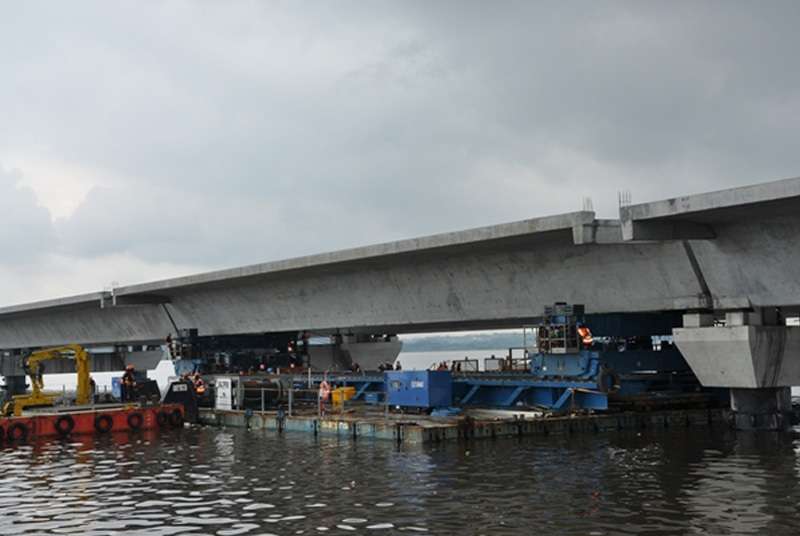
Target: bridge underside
<point x="100" y="362"/>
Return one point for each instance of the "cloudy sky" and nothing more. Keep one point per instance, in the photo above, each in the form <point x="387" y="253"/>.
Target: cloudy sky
<point x="141" y="140"/>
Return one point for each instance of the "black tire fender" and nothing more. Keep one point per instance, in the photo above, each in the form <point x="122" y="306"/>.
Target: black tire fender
<point x="176" y="418"/>
<point x="64" y="425"/>
<point x="17" y="432"/>
<point x="135" y="420"/>
<point x="162" y="418"/>
<point x="103" y="423"/>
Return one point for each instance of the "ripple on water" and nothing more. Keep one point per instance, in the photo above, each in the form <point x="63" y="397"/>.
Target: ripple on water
<point x="354" y="520"/>
<point x="381" y="526"/>
<point x="240" y="528"/>
<point x="258" y="506"/>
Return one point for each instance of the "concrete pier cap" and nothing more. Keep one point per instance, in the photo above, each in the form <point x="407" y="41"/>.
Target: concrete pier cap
<point x="753" y="356"/>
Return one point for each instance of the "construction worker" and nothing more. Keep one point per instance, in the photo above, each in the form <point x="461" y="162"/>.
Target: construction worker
<point x="585" y="335"/>
<point x="199" y="384"/>
<point x="324" y="394"/>
<point x="128" y="383"/>
<point x="170" y="346"/>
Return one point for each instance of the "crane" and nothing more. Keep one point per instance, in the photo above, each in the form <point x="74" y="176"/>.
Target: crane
<point x="34" y="368"/>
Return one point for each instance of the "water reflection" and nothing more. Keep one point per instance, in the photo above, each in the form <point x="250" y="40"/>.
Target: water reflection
<point x="226" y="482"/>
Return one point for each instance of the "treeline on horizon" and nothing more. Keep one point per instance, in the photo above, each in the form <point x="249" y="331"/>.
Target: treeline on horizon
<point x="481" y="341"/>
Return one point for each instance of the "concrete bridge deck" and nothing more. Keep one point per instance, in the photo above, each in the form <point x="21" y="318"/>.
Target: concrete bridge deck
<point x="731" y="249"/>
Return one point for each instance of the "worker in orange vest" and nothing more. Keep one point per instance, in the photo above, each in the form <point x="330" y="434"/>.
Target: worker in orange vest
<point x="585" y="335"/>
<point x="199" y="384"/>
<point x="128" y="383"/>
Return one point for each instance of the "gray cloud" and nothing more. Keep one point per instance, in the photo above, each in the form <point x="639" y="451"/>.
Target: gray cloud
<point x="230" y="133"/>
<point x="26" y="231"/>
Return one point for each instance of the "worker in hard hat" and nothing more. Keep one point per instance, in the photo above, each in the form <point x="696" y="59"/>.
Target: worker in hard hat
<point x="199" y="384"/>
<point x="128" y="383"/>
<point x="585" y="335"/>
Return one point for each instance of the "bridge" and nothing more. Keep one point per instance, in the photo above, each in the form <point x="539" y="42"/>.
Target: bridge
<point x="730" y="255"/>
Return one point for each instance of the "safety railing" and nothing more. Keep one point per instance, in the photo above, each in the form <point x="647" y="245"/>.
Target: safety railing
<point x="499" y="364"/>
<point x="67" y="397"/>
<point x="289" y="399"/>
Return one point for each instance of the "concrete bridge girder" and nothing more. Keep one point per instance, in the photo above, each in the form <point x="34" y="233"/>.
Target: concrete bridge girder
<point x="486" y="286"/>
<point x="752" y="265"/>
<point x="86" y="324"/>
<point x="462" y="288"/>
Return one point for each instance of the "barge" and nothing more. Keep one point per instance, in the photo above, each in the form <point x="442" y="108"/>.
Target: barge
<point x="101" y="419"/>
<point x="34" y="415"/>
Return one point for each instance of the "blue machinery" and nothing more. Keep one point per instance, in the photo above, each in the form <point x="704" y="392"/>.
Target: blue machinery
<point x="579" y="362"/>
<point x="572" y="368"/>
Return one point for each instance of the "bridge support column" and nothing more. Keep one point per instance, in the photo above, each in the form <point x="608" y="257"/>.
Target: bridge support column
<point x="762" y="409"/>
<point x="753" y="355"/>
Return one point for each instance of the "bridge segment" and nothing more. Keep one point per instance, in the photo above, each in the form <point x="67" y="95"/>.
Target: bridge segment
<point x="498" y="276"/>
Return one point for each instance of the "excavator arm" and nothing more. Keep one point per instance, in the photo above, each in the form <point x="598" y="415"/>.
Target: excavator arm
<point x="33" y="365"/>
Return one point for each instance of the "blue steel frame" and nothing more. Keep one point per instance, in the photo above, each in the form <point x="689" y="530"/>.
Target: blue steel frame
<point x="528" y="391"/>
<point x="497" y="391"/>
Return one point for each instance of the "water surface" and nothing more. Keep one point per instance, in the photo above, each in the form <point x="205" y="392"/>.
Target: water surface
<point x="226" y="482"/>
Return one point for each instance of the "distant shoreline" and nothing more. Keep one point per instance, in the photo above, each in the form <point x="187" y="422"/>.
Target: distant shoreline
<point x="449" y="343"/>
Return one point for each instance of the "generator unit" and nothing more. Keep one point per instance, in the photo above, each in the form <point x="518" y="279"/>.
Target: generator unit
<point x="426" y="389"/>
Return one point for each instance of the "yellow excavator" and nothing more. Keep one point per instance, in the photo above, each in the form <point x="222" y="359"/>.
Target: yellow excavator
<point x="34" y="370"/>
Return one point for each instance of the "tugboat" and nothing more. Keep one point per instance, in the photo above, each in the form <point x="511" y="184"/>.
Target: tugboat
<point x="34" y="415"/>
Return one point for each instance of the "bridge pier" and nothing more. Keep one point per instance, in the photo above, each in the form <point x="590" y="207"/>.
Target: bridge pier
<point x="753" y="355"/>
<point x="761" y="409"/>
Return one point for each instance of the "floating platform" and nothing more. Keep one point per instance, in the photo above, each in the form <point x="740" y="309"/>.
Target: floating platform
<point x="99" y="419"/>
<point x="420" y="429"/>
